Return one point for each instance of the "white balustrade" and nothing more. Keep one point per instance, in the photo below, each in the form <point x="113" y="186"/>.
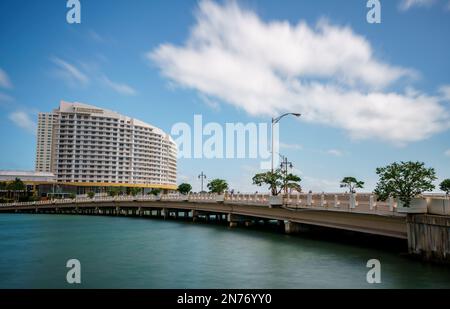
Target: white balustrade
<point x="352" y="201"/>
<point x="363" y="203"/>
<point x="391" y="204"/>
<point x="309" y="201"/>
<point x="372" y="203"/>
<point x="323" y="203"/>
<point x="337" y="203"/>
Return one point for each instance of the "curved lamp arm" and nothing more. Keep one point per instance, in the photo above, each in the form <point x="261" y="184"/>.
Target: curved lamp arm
<point x="276" y="120"/>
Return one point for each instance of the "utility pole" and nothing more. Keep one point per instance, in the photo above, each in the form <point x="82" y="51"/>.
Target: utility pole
<point x="202" y="177"/>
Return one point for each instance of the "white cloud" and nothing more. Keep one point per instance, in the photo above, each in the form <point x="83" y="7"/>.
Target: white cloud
<point x="120" y="88"/>
<point x="445" y="92"/>
<point x="182" y="177"/>
<point x="408" y="4"/>
<point x="291" y="146"/>
<point x="76" y="76"/>
<point x="5" y="82"/>
<point x="23" y="120"/>
<point x="447" y="153"/>
<point x="326" y="72"/>
<point x="335" y="152"/>
<point x="213" y="104"/>
<point x="71" y="74"/>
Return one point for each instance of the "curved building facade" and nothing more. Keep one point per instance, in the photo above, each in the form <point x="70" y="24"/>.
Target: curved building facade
<point x="84" y="145"/>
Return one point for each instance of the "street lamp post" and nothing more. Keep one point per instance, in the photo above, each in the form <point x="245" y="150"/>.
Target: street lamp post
<point x="274" y="122"/>
<point x="202" y="176"/>
<point x="285" y="164"/>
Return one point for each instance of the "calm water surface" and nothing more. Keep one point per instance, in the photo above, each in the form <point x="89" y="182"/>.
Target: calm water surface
<point x="143" y="253"/>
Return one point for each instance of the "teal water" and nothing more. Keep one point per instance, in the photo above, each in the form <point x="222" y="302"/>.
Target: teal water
<point x="142" y="253"/>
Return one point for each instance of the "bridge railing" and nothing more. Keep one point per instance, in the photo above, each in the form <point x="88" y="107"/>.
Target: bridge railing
<point x="358" y="203"/>
<point x="248" y="199"/>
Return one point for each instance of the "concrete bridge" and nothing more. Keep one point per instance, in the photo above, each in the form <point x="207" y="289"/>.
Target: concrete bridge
<point x="359" y="213"/>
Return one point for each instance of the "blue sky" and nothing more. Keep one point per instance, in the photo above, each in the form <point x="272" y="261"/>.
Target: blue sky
<point x="370" y="94"/>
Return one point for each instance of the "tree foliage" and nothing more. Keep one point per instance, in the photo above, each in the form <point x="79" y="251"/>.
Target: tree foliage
<point x="291" y="181"/>
<point x="277" y="181"/>
<point x="404" y="181"/>
<point x="352" y="184"/>
<point x="3" y="185"/>
<point x="184" y="188"/>
<point x="155" y="192"/>
<point x="91" y="194"/>
<point x="445" y="186"/>
<point x="16" y="185"/>
<point x="114" y="191"/>
<point x="135" y="191"/>
<point x="218" y="186"/>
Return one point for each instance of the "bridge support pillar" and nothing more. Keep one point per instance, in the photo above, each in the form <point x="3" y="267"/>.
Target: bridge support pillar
<point x="165" y="213"/>
<point x="292" y="227"/>
<point x="428" y="237"/>
<point x="234" y="220"/>
<point x="194" y="215"/>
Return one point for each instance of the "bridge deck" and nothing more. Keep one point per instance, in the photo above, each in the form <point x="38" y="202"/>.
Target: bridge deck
<point x="366" y="220"/>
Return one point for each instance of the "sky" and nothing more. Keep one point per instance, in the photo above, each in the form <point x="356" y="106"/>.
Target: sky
<point x="369" y="94"/>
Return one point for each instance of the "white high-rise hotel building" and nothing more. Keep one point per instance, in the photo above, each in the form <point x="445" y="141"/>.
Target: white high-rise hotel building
<point x="88" y="146"/>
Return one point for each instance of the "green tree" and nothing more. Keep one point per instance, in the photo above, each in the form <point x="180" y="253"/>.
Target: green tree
<point x="352" y="184"/>
<point x="72" y="196"/>
<point x="274" y="180"/>
<point x="277" y="181"/>
<point x="114" y="191"/>
<point x="291" y="181"/>
<point x="91" y="194"/>
<point x="14" y="187"/>
<point x="3" y="185"/>
<point x="218" y="186"/>
<point x="154" y="192"/>
<point x="445" y="186"/>
<point x="404" y="181"/>
<point x="184" y="188"/>
<point x="135" y="191"/>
